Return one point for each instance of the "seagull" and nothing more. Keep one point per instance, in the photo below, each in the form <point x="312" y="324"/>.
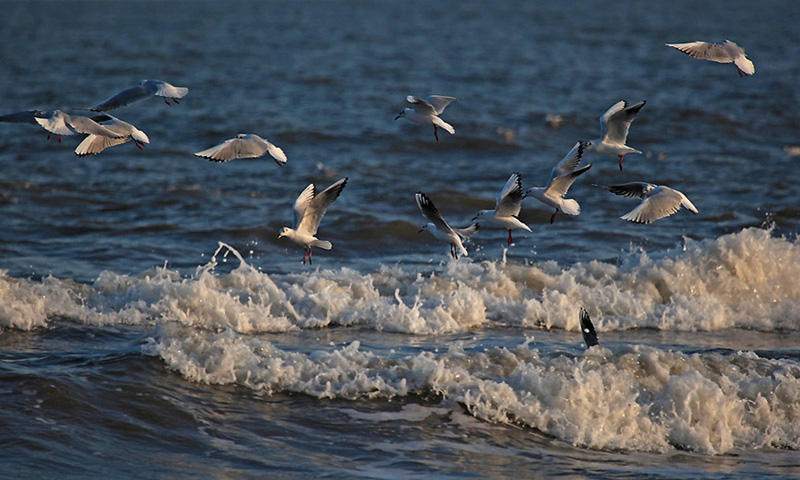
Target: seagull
<point x="507" y="207"/>
<point x="309" y="208"/>
<point x="94" y="144"/>
<point x="439" y="227"/>
<point x="426" y="112"/>
<point x="589" y="333"/>
<point x="725" y="52"/>
<point x="658" y="201"/>
<point x="25" y="116"/>
<point x="143" y="91"/>
<point x="561" y="178"/>
<point x="61" y="123"/>
<point x="614" y="126"/>
<point x="245" y="145"/>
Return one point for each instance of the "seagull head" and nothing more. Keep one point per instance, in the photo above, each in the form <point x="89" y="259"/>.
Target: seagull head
<point x="427" y="226"/>
<point x="481" y="213"/>
<point x="284" y="232"/>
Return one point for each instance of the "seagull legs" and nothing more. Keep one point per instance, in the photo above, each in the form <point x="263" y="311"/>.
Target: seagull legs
<point x="138" y="144"/>
<point x="620" y="163"/>
<point x="510" y="240"/>
<point x="436" y="132"/>
<point x="310" y="252"/>
<point x="553" y="218"/>
<point x="740" y="72"/>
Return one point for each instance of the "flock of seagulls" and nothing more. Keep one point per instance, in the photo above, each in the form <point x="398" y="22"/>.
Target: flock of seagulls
<point x="656" y="201"/>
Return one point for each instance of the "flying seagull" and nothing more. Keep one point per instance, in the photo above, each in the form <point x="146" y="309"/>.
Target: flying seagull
<point x="614" y="126"/>
<point x="507" y="207"/>
<point x="561" y="178"/>
<point x="245" y="145"/>
<point x="439" y="227"/>
<point x="426" y="112"/>
<point x="658" y="201"/>
<point x="146" y="89"/>
<point x="725" y="52"/>
<point x="309" y="208"/>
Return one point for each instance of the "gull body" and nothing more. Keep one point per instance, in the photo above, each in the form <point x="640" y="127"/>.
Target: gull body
<point x="561" y="178"/>
<point x="658" y="201"/>
<point x="146" y="89"/>
<point x="244" y="145"/>
<point x="61" y="123"/>
<point x="507" y="206"/>
<point x="426" y="112"/>
<point x="439" y="228"/>
<point x="725" y="52"/>
<point x="309" y="209"/>
<point x="94" y="144"/>
<point x="614" y="126"/>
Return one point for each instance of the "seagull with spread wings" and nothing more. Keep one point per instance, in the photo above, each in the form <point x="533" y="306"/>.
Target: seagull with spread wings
<point x="426" y="112"/>
<point x="146" y="89"/>
<point x="244" y="145"/>
<point x="561" y="178"/>
<point x="658" y="201"/>
<point x="725" y="52"/>
<point x="439" y="227"/>
<point x="61" y="123"/>
<point x="507" y="206"/>
<point x="614" y="126"/>
<point x="309" y="208"/>
<point x="94" y="143"/>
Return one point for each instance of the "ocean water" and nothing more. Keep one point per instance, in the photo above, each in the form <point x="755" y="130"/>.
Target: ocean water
<point x="152" y="324"/>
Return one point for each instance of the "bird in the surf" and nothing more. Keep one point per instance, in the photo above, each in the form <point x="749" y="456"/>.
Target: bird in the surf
<point x="658" y="201"/>
<point x="587" y="329"/>
<point x="244" y="145"/>
<point x="561" y="178"/>
<point x="614" y="126"/>
<point x="309" y="209"/>
<point x="426" y="112"/>
<point x="94" y="143"/>
<point x="725" y="52"/>
<point x="507" y="206"/>
<point x="146" y="89"/>
<point x="61" y="123"/>
<point x="439" y="228"/>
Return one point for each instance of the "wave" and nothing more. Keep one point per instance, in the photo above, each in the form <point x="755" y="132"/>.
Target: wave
<point x="743" y="280"/>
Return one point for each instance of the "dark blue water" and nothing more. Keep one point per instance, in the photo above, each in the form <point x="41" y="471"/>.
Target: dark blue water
<point x="135" y="345"/>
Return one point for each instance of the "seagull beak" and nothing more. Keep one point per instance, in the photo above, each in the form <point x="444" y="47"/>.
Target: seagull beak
<point x="400" y="115"/>
<point x="421" y="230"/>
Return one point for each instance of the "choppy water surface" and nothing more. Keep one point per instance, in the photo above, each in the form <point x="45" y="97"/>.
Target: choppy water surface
<point x="153" y="325"/>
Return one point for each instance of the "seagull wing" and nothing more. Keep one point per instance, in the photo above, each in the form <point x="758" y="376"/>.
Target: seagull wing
<point x="715" y="52"/>
<point x="421" y="106"/>
<point x="316" y="207"/>
<point x="589" y="333"/>
<point x="123" y="98"/>
<point x="429" y="211"/>
<point x="619" y="122"/>
<point x="26" y="116"/>
<point x="663" y="202"/>
<point x="94" y="144"/>
<point x="560" y="185"/>
<point x="630" y="190"/>
<point x="509" y="200"/>
<point x="88" y="126"/>
<point x="439" y="102"/>
<point x="569" y="163"/>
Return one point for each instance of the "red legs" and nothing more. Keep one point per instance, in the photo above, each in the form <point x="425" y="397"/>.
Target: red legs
<point x="279" y="163"/>
<point x="510" y="240"/>
<point x="553" y="218"/>
<point x="167" y="101"/>
<point x="620" y="163"/>
<point x="136" y="142"/>
<point x="453" y="251"/>
<point x="59" y="138"/>
<point x="740" y="72"/>
<point x="436" y="132"/>
<point x="310" y="252"/>
<point x="173" y="99"/>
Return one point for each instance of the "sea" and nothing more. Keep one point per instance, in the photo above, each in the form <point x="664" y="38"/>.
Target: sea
<point x="153" y="325"/>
